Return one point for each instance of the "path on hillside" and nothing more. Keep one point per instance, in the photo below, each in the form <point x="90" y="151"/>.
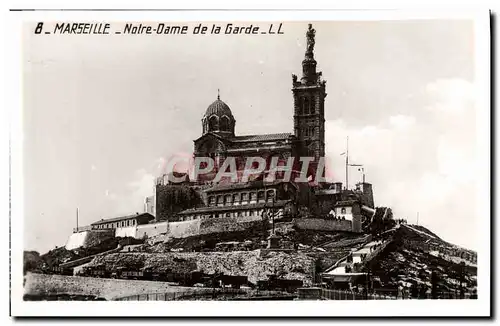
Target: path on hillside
<point x="361" y="255"/>
<point x="421" y="232"/>
<point x="84" y="260"/>
<point x="344" y="242"/>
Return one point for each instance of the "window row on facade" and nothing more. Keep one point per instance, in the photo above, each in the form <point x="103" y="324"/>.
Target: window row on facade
<point x="214" y="123"/>
<point x="114" y="225"/>
<point x="207" y="215"/>
<point x="242" y="198"/>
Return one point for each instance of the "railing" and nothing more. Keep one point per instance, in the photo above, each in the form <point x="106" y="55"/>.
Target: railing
<point x="390" y="295"/>
<point x="326" y="294"/>
<point x="349" y="295"/>
<point x="449" y="295"/>
<point x="367" y="259"/>
<point x="202" y="293"/>
<point x="374" y="253"/>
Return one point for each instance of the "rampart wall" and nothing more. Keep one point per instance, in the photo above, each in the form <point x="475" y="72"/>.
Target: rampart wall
<point x="184" y="229"/>
<point x="87" y="238"/>
<point x="323" y="224"/>
<point x="227" y="224"/>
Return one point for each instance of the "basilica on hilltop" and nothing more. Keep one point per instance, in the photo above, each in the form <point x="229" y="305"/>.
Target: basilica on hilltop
<point x="222" y="205"/>
<point x="220" y="140"/>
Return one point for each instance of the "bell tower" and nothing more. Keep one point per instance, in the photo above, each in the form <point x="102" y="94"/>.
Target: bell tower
<point x="309" y="105"/>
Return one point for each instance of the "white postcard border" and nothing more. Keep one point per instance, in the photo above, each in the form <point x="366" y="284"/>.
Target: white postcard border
<point x="479" y="307"/>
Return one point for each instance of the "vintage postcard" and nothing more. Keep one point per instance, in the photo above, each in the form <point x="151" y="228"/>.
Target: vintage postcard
<point x="258" y="163"/>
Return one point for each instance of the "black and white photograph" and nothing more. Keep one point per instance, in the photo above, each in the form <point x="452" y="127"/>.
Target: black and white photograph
<point x="289" y="160"/>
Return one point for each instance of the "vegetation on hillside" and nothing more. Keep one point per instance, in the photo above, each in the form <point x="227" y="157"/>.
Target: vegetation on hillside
<point x="407" y="260"/>
<point x="33" y="262"/>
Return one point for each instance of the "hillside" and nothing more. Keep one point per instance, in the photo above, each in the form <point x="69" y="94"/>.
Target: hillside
<point x="253" y="264"/>
<point x="33" y="261"/>
<point x="238" y="253"/>
<point x="405" y="255"/>
<point x="418" y="259"/>
<point x="252" y="239"/>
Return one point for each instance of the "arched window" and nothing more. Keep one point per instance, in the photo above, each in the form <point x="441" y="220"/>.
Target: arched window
<point x="211" y="201"/>
<point x="204" y="125"/>
<point x="236" y="198"/>
<point x="305" y="105"/>
<point x="213" y="123"/>
<point x="342" y="211"/>
<point x="260" y="196"/>
<point x="224" y="124"/>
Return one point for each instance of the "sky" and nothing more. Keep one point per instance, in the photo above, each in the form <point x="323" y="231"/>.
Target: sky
<point x="102" y="113"/>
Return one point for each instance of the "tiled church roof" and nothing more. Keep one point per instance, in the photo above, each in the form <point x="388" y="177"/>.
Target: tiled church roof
<point x="265" y="137"/>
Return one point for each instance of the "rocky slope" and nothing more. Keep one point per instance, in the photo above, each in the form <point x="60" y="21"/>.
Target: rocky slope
<point x="255" y="237"/>
<point x="421" y="261"/>
<point x="53" y="258"/>
<point x="31" y="261"/>
<point x="253" y="264"/>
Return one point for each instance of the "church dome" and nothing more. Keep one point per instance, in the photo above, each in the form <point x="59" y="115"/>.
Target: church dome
<point x="218" y="118"/>
<point x="219" y="108"/>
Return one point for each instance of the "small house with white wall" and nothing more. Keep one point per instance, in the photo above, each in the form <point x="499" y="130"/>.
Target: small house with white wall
<point x="122" y="221"/>
<point x="347" y="209"/>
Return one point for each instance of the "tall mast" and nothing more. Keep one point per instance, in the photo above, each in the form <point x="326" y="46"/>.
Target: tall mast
<point x="347" y="165"/>
<point x="77" y="219"/>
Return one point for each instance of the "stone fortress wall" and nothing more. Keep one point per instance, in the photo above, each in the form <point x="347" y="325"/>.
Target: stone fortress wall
<point x="184" y="229"/>
<point x="322" y="224"/>
<point x="189" y="228"/>
<point x="88" y="238"/>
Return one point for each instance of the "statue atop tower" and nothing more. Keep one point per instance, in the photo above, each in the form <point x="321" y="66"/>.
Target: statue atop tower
<point x="309" y="105"/>
<point x="311" y="32"/>
<point x="309" y="76"/>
